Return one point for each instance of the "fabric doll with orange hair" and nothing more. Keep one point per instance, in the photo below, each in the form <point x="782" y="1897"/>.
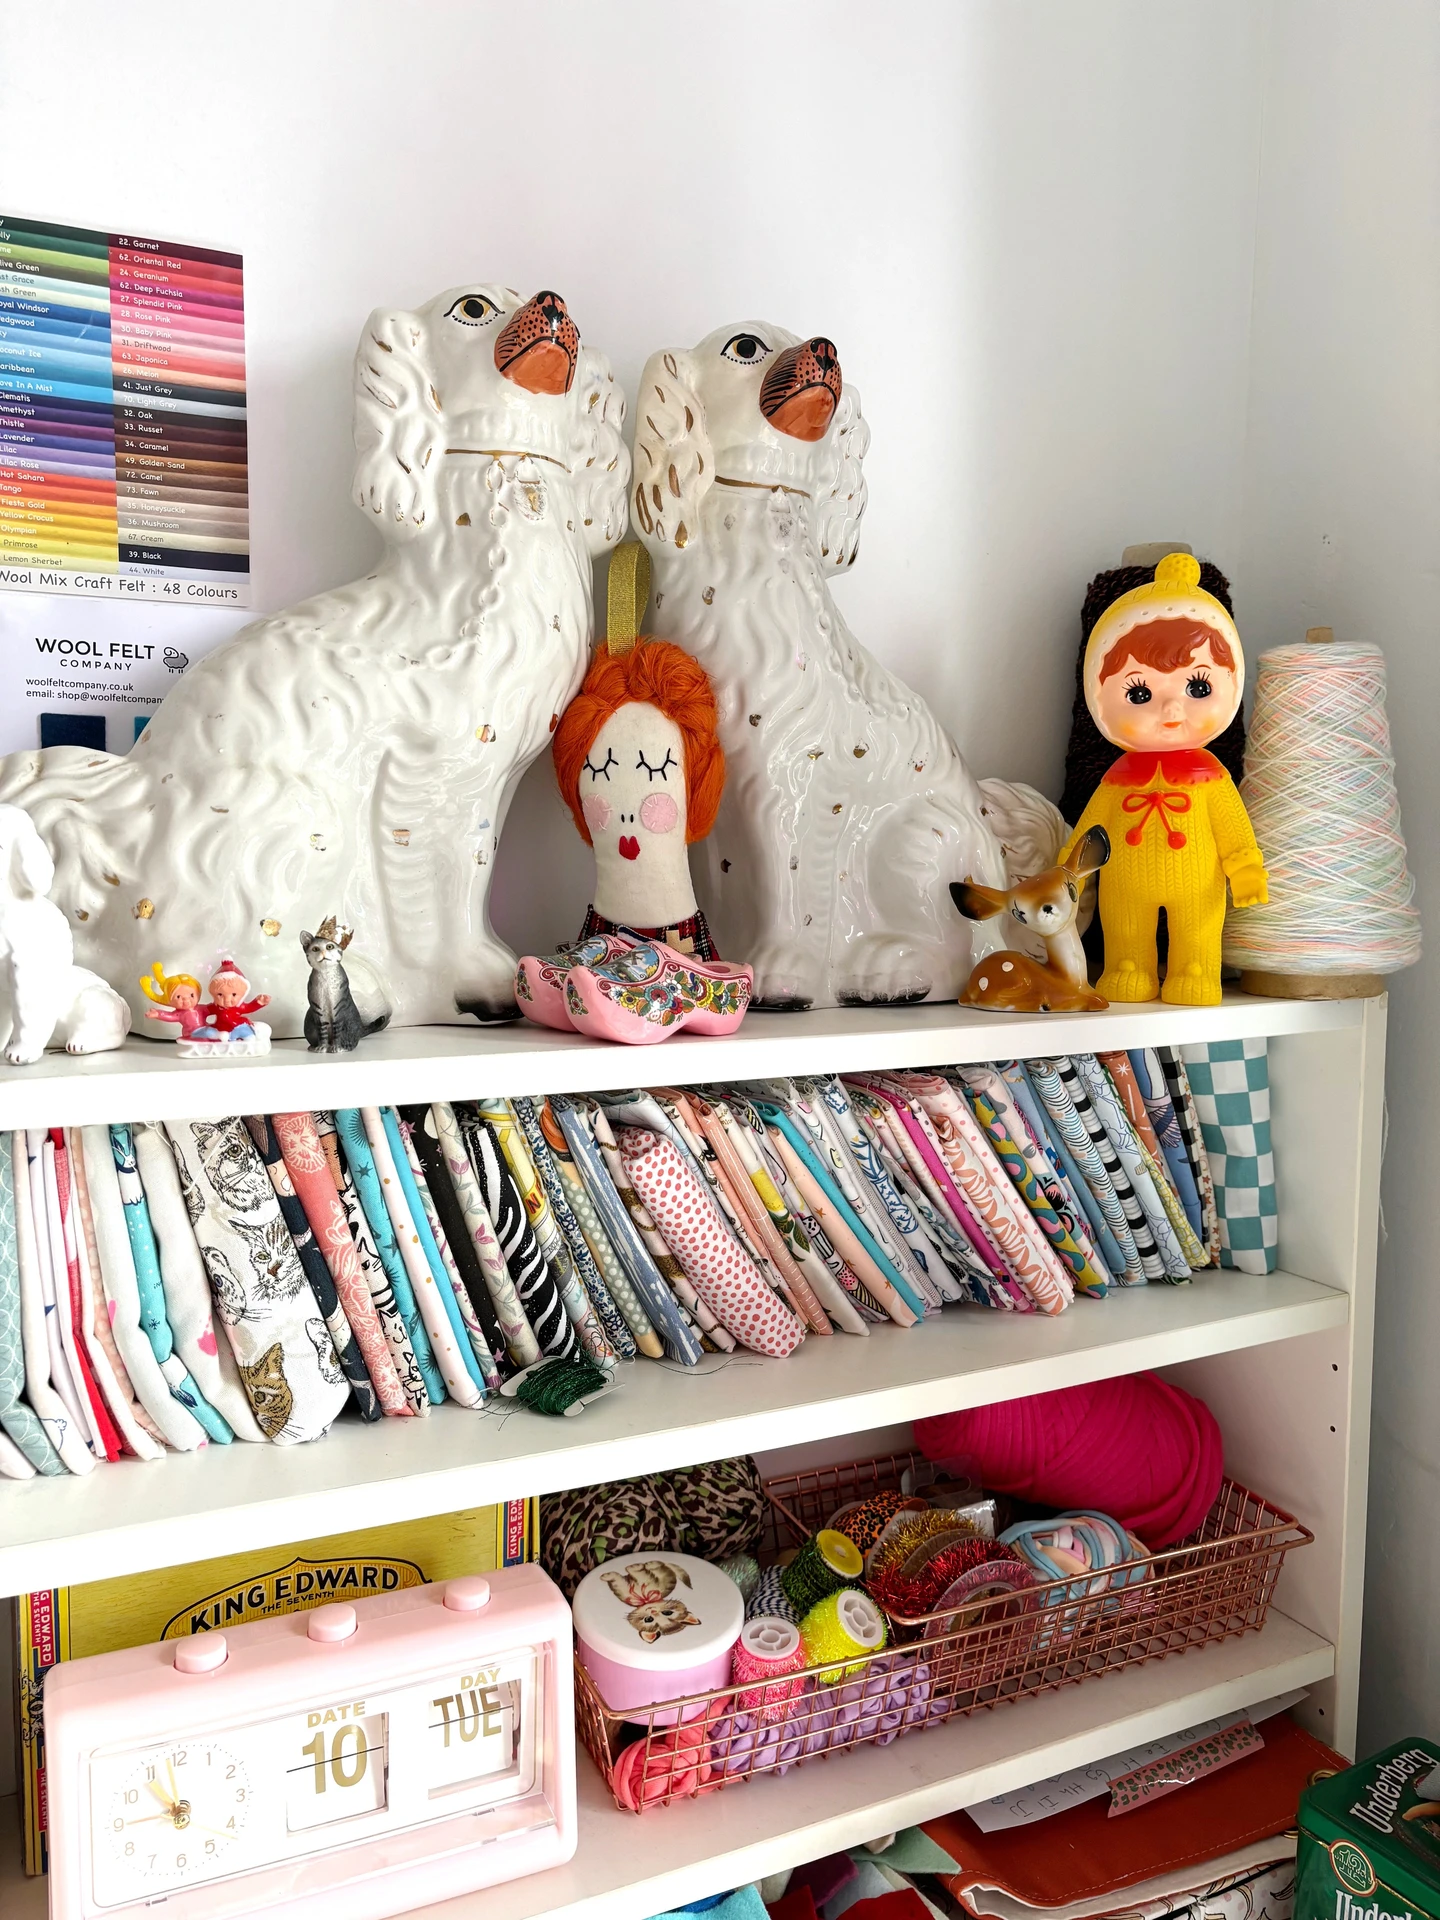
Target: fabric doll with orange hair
<point x="640" y="767"/>
<point x="1164" y="675"/>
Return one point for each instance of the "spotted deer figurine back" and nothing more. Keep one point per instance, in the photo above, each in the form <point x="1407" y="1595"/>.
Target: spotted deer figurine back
<point x="1047" y="904"/>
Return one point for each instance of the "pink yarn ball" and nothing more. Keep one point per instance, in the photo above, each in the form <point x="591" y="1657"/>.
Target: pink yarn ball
<point x="1137" y="1447"/>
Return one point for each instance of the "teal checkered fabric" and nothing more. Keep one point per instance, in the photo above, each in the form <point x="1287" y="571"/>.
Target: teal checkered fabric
<point x="1230" y="1080"/>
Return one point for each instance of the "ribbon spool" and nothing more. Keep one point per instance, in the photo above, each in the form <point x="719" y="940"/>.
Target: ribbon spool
<point x="842" y="1626"/>
<point x="1319" y="787"/>
<point x="627" y="593"/>
<point x="769" y="1599"/>
<point x="827" y="1562"/>
<point x="769" y="1648"/>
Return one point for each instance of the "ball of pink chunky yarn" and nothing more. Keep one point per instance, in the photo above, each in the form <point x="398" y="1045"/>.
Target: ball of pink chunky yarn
<point x="1138" y="1448"/>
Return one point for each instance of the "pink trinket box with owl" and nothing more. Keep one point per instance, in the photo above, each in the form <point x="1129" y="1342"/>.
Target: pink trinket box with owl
<point x="353" y="1761"/>
<point x="657" y="1627"/>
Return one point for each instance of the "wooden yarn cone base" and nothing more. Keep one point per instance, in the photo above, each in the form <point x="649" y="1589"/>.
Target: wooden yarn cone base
<point x="1312" y="986"/>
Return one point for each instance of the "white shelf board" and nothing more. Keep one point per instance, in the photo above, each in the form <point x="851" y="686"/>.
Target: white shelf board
<point x="624" y="1870"/>
<point x="143" y="1080"/>
<point x="130" y="1516"/>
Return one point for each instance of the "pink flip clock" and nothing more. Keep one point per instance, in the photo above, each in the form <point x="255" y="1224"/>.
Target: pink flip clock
<point x="354" y="1761"/>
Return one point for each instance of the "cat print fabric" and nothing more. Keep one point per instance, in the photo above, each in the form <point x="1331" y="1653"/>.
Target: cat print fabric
<point x="287" y="1360"/>
<point x="187" y="1287"/>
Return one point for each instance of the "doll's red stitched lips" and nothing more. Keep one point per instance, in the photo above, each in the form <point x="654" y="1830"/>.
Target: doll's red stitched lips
<point x="629" y="847"/>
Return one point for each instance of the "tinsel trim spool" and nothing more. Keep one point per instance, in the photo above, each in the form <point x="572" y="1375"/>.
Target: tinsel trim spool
<point x="842" y="1626"/>
<point x="769" y="1648"/>
<point x="1319" y="787"/>
<point x="827" y="1561"/>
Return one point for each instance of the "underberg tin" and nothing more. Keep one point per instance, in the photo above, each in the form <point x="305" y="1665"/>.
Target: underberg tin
<point x="1370" y="1839"/>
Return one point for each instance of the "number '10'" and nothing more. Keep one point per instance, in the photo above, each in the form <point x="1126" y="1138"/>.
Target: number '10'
<point x="346" y="1769"/>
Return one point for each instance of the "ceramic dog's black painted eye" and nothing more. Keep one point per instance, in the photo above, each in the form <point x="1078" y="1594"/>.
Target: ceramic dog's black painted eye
<point x="747" y="349"/>
<point x="472" y="310"/>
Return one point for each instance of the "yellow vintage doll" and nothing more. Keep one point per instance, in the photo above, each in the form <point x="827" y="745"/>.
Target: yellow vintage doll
<point x="1164" y="673"/>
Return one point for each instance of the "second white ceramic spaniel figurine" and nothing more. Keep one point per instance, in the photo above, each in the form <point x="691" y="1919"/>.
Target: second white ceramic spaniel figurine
<point x="848" y="808"/>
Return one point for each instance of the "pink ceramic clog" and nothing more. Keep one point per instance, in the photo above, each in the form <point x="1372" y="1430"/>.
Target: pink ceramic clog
<point x="651" y="992"/>
<point x="540" y="979"/>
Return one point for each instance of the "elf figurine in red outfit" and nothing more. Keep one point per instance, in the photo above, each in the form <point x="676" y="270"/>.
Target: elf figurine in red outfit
<point x="1164" y="674"/>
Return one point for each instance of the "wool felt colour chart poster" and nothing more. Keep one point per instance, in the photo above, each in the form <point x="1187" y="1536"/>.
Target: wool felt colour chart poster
<point x="123" y="451"/>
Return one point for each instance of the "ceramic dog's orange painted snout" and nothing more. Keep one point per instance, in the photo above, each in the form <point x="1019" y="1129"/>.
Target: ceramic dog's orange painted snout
<point x="538" y="346"/>
<point x="801" y="389"/>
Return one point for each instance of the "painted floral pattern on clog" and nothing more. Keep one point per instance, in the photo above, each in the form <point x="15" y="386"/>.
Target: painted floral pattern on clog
<point x="650" y="983"/>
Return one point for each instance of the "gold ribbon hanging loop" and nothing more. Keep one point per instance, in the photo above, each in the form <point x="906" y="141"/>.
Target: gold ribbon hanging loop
<point x="627" y="594"/>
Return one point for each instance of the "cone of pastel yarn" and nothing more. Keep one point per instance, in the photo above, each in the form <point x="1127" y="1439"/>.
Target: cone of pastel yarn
<point x="827" y="1561"/>
<point x="844" y="1626"/>
<point x="769" y="1648"/>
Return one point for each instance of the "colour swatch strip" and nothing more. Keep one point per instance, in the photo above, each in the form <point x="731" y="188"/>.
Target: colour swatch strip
<point x="123" y="453"/>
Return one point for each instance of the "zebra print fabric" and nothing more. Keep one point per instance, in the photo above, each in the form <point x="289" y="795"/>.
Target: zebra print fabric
<point x="534" y="1283"/>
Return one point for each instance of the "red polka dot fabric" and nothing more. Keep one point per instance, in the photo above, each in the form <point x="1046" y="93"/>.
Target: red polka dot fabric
<point x="714" y="1263"/>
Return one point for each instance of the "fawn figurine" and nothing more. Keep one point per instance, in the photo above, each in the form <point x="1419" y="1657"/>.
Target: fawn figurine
<point x="333" y="1022"/>
<point x="1048" y="904"/>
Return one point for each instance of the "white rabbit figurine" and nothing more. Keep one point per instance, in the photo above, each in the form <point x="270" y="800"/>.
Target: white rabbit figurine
<point x="45" y="999"/>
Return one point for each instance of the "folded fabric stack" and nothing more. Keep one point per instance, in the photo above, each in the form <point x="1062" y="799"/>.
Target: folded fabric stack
<point x="403" y="1258"/>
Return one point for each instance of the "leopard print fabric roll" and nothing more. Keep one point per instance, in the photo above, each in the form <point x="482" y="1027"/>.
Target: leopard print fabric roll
<point x="714" y="1510"/>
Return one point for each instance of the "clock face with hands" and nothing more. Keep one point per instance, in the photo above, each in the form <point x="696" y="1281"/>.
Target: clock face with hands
<point x="177" y="1811"/>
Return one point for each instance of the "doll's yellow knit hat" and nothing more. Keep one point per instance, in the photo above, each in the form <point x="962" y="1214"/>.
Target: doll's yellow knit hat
<point x="1174" y="594"/>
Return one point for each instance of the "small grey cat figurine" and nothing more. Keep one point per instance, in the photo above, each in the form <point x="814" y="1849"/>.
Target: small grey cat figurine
<point x="333" y="1022"/>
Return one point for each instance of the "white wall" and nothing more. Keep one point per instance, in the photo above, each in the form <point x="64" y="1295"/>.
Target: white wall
<point x="1342" y="515"/>
<point x="1027" y="226"/>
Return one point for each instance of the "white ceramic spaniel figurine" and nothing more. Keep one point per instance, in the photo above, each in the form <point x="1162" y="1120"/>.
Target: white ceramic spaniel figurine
<point x="357" y="754"/>
<point x="848" y="808"/>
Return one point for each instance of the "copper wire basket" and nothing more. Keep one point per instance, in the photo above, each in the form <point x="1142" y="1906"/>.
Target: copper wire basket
<point x="1215" y="1584"/>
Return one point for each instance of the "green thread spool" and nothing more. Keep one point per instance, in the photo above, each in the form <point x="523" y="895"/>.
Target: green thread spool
<point x="558" y="1384"/>
<point x="827" y="1562"/>
<point x="847" y="1623"/>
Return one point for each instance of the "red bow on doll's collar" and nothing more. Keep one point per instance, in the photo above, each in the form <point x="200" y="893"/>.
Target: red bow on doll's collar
<point x="1186" y="767"/>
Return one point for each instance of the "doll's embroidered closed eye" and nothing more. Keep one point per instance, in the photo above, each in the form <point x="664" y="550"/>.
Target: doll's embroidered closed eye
<point x="472" y="310"/>
<point x="642" y="764"/>
<point x="595" y="772"/>
<point x="1198" y="686"/>
<point x="1137" y="692"/>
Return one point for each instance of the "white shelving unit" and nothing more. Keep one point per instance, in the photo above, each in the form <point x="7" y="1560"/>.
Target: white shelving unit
<point x="1284" y="1361"/>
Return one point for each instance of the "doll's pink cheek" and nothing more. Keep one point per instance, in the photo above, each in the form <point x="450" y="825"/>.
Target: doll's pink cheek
<point x="658" y="813"/>
<point x="596" y="810"/>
